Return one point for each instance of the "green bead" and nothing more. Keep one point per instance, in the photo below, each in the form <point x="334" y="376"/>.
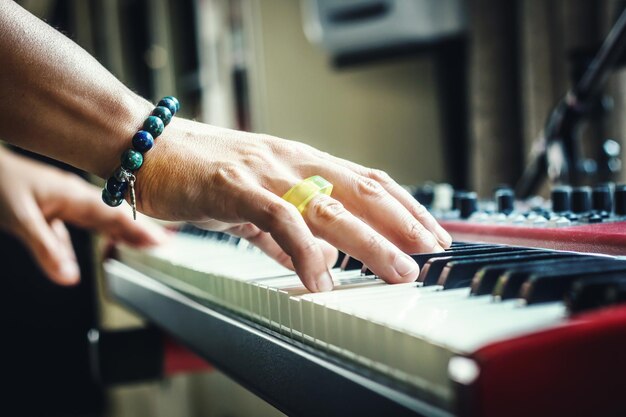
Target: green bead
<point x="163" y="113"/>
<point x="132" y="160"/>
<point x="154" y="126"/>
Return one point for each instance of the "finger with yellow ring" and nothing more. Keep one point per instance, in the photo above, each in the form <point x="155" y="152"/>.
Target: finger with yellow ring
<point x="300" y="194"/>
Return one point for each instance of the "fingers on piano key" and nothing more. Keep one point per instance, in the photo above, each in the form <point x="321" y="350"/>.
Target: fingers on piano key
<point x="330" y="253"/>
<point x="263" y="241"/>
<point x="267" y="244"/>
<point x="287" y="227"/>
<point x="417" y="210"/>
<point x="369" y="201"/>
<point x="378" y="185"/>
<point x="329" y="220"/>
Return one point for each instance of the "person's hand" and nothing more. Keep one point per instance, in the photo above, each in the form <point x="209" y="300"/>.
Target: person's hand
<point x="36" y="199"/>
<point x="200" y="173"/>
<point x="234" y="181"/>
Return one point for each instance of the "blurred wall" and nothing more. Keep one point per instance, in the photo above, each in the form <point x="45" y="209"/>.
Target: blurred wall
<point x="381" y="115"/>
<point x="523" y="59"/>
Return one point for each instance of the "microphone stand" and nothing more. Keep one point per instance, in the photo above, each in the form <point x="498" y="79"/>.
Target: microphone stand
<point x="556" y="153"/>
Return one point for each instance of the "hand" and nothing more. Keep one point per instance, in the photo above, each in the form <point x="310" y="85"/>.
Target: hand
<point x="36" y="199"/>
<point x="201" y="173"/>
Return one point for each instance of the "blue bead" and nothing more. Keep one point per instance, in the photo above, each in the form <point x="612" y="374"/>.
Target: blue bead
<point x="169" y="103"/>
<point x="175" y="100"/>
<point x="131" y="160"/>
<point x="143" y="141"/>
<point x="116" y="188"/>
<point x="110" y="200"/>
<point x="163" y="113"/>
<point x="154" y="126"/>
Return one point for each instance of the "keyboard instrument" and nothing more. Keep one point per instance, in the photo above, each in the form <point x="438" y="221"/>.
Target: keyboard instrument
<point x="486" y="330"/>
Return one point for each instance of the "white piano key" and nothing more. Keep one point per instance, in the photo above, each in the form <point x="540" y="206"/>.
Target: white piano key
<point x="406" y="331"/>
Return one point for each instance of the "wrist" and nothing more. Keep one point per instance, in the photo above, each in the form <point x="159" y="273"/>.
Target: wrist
<point x="122" y="183"/>
<point x="127" y="115"/>
<point x="160" y="173"/>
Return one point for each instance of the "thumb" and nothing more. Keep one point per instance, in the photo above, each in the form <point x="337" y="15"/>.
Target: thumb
<point x="51" y="247"/>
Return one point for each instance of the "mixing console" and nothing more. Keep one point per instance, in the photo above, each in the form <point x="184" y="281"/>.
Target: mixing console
<point x="584" y="219"/>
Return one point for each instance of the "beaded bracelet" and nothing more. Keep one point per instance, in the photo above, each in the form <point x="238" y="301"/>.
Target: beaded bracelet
<point x="124" y="178"/>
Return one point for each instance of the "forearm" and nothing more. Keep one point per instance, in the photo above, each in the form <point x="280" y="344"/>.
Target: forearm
<point x="58" y="100"/>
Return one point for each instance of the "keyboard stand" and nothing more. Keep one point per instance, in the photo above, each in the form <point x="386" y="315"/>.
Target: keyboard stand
<point x="296" y="379"/>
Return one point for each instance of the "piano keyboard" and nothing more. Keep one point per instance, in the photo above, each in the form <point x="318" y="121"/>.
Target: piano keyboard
<point x="419" y="334"/>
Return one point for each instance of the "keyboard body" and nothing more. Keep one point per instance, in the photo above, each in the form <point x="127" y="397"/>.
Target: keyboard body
<point x="434" y="347"/>
<point x="605" y="238"/>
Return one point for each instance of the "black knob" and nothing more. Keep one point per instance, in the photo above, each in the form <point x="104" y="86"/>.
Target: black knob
<point x="615" y="295"/>
<point x="602" y="199"/>
<point x="456" y="199"/>
<point x="505" y="200"/>
<point x="620" y="200"/>
<point x="581" y="199"/>
<point x="425" y="195"/>
<point x="468" y="203"/>
<point x="594" y="218"/>
<point x="561" y="198"/>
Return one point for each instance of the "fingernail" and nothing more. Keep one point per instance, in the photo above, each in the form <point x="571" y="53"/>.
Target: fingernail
<point x="405" y="265"/>
<point x="437" y="248"/>
<point x="324" y="282"/>
<point x="69" y="271"/>
<point x="431" y="241"/>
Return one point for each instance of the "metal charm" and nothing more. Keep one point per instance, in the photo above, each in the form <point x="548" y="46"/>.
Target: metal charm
<point x="133" y="201"/>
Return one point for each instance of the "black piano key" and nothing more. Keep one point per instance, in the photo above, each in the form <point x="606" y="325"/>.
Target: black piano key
<point x="341" y="256"/>
<point x="458" y="245"/>
<point x="422" y="259"/>
<point x="349" y="263"/>
<point x="485" y="280"/>
<point x="474" y="246"/>
<point x="230" y="239"/>
<point x="509" y="284"/>
<point x="616" y="295"/>
<point x="431" y="272"/>
<point x="589" y="294"/>
<point x="552" y="286"/>
<point x="189" y="229"/>
<point x="459" y="273"/>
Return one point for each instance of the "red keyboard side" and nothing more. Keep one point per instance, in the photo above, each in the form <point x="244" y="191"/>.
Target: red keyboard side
<point x="606" y="238"/>
<point x="577" y="369"/>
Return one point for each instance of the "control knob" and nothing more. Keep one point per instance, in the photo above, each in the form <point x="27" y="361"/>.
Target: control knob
<point x="468" y="204"/>
<point x="581" y="199"/>
<point x="602" y="199"/>
<point x="561" y="197"/>
<point x="505" y="200"/>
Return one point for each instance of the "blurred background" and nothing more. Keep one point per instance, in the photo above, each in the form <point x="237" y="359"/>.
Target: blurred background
<point x="449" y="91"/>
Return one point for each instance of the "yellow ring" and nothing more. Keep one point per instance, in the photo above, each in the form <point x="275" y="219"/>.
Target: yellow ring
<point x="300" y="194"/>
